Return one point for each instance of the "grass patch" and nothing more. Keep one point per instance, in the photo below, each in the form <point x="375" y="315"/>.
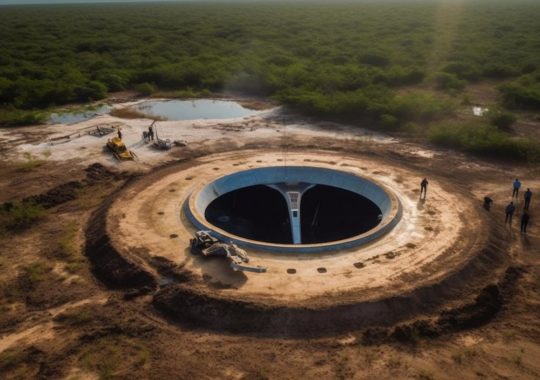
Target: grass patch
<point x="12" y="117"/>
<point x="30" y="164"/>
<point x="73" y="267"/>
<point x="26" y="282"/>
<point x="19" y="216"/>
<point x="485" y="140"/>
<point x="33" y="274"/>
<point x="113" y="356"/>
<point x="79" y="317"/>
<point x="67" y="242"/>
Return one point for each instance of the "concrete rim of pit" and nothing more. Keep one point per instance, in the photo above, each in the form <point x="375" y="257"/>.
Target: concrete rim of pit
<point x="385" y="199"/>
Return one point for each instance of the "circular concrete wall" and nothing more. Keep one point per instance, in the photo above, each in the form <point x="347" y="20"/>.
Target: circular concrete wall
<point x="288" y="180"/>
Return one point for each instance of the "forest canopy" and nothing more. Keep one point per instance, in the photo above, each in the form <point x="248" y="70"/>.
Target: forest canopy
<point x="336" y="60"/>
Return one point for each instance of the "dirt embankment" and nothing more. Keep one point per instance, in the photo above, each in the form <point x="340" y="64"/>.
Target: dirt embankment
<point x="110" y="266"/>
<point x="469" y="295"/>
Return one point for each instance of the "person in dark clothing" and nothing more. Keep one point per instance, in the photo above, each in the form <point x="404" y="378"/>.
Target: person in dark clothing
<point x="517" y="185"/>
<point x="487" y="203"/>
<point x="423" y="187"/>
<point x="151" y="132"/>
<point x="528" y="196"/>
<point x="119" y="134"/>
<point x="509" y="212"/>
<point x="524" y="221"/>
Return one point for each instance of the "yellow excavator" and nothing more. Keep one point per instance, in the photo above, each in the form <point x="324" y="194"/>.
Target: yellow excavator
<point x="119" y="150"/>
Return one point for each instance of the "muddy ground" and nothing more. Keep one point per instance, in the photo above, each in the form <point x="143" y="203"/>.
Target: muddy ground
<point x="58" y="320"/>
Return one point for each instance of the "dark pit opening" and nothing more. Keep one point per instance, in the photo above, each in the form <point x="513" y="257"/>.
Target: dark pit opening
<point x="329" y="213"/>
<point x="260" y="213"/>
<point x="255" y="212"/>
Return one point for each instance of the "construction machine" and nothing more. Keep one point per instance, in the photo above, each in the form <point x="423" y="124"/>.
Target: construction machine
<point x="119" y="150"/>
<point x="163" y="144"/>
<point x="205" y="244"/>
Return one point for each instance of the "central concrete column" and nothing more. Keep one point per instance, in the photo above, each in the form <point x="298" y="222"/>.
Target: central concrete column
<point x="292" y="192"/>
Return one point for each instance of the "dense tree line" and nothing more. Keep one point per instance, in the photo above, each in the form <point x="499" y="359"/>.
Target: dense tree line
<point x="55" y="55"/>
<point x="334" y="60"/>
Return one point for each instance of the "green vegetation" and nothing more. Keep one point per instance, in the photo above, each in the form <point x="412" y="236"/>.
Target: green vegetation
<point x="524" y="95"/>
<point x="345" y="61"/>
<point x="114" y="356"/>
<point x="11" y="116"/>
<point x="68" y="250"/>
<point x="28" y="279"/>
<point x="67" y="242"/>
<point x="19" y="215"/>
<point x="30" y="164"/>
<point x="486" y="140"/>
<point x="78" y="317"/>
<point x="501" y="119"/>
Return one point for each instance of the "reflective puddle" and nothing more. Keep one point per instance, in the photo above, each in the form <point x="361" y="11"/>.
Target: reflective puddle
<point x="194" y="109"/>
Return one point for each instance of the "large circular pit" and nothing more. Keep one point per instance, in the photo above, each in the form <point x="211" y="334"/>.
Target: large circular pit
<point x="345" y="240"/>
<point x="294" y="209"/>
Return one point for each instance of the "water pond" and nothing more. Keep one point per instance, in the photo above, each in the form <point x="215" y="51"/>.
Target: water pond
<point x="78" y="116"/>
<point x="194" y="109"/>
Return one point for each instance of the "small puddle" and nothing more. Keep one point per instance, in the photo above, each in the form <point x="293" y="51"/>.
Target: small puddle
<point x="194" y="109"/>
<point x="78" y="116"/>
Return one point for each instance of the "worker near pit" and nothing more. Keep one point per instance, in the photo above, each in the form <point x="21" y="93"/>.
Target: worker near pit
<point x="528" y="196"/>
<point x="524" y="221"/>
<point x="517" y="185"/>
<point x="509" y="212"/>
<point x="487" y="203"/>
<point x="151" y="132"/>
<point x="423" y="187"/>
<point x="119" y="134"/>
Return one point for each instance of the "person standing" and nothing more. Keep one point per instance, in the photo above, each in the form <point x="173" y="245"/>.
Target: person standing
<point x="151" y="131"/>
<point x="524" y="222"/>
<point x="528" y="196"/>
<point x="487" y="203"/>
<point x="517" y="185"/>
<point x="509" y="212"/>
<point x="119" y="134"/>
<point x="423" y="187"/>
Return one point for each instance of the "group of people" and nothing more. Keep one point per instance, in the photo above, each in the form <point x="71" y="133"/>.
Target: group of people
<point x="511" y="207"/>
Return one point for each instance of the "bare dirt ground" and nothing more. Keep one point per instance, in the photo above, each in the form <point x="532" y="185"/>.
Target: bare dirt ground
<point x="61" y="317"/>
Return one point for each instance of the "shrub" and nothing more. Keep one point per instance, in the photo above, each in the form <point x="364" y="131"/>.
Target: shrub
<point x="374" y="59"/>
<point x="485" y="140"/>
<point x="389" y="121"/>
<point x="19" y="216"/>
<point x="15" y="117"/>
<point x="145" y="89"/>
<point x="496" y="70"/>
<point x="420" y="106"/>
<point x="501" y="119"/>
<point x="446" y="81"/>
<point x="91" y="91"/>
<point x="518" y="96"/>
<point x="463" y="70"/>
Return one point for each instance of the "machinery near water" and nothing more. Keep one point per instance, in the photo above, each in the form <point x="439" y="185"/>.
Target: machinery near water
<point x="205" y="244"/>
<point x="119" y="150"/>
<point x="159" y="143"/>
